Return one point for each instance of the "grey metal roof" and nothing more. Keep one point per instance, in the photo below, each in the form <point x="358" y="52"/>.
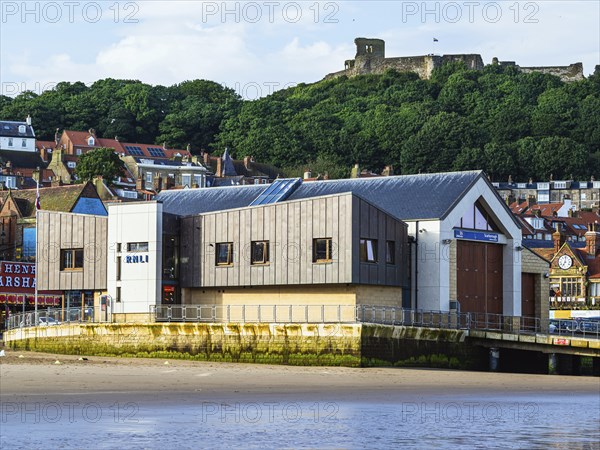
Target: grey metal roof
<point x="406" y="197"/>
<point x="187" y="202"/>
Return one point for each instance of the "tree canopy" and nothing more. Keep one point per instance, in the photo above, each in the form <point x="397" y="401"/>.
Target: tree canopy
<point x="528" y="125"/>
<point x="102" y="162"/>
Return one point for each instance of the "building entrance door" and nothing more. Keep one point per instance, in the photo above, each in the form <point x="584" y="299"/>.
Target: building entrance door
<point x="479" y="277"/>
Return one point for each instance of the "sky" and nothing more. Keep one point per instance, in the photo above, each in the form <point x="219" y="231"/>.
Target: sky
<point x="256" y="47"/>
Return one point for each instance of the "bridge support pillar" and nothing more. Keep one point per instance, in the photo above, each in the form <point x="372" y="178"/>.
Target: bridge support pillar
<point x="494" y="359"/>
<point x="552" y="364"/>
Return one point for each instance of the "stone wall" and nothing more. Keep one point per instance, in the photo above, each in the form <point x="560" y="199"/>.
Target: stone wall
<point x="349" y="345"/>
<point x="572" y="72"/>
<point x="532" y="263"/>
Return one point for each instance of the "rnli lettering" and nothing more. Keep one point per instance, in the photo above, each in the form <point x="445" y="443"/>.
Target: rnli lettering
<point x="136" y="259"/>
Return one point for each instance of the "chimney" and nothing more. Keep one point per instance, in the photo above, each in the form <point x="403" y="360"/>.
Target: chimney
<point x="510" y="180"/>
<point x="205" y="157"/>
<point x="189" y="148"/>
<point x="219" y="167"/>
<point x="326" y="176"/>
<point x="28" y="120"/>
<point x="56" y="181"/>
<point x="157" y="183"/>
<point x="559" y="239"/>
<point x="8" y="168"/>
<point x="307" y="174"/>
<point x="355" y="173"/>
<point x="530" y="201"/>
<point x="511" y="199"/>
<point x="164" y="145"/>
<point x="117" y="138"/>
<point x="388" y="171"/>
<point x="592" y="239"/>
<point x="92" y="131"/>
<point x="139" y="183"/>
<point x="247" y="161"/>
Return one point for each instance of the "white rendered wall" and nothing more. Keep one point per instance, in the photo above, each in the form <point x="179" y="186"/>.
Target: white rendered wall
<point x="140" y="282"/>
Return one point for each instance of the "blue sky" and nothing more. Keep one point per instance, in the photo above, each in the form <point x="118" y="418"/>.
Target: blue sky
<point x="256" y="47"/>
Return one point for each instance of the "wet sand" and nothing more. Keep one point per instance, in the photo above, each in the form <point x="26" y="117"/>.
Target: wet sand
<point x="36" y="376"/>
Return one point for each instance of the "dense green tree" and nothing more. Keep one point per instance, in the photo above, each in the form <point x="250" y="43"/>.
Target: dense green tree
<point x="497" y="119"/>
<point x="102" y="162"/>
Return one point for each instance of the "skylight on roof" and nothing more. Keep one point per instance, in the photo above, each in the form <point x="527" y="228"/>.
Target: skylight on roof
<point x="277" y="191"/>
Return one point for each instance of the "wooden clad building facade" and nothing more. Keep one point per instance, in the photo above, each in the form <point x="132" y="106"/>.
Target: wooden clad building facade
<point x="335" y="240"/>
<point x="61" y="237"/>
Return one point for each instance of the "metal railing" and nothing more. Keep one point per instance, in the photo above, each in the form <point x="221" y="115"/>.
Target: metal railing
<point x="385" y="315"/>
<point x="57" y="316"/>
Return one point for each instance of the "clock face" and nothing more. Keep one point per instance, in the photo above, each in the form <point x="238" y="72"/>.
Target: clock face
<point x="565" y="262"/>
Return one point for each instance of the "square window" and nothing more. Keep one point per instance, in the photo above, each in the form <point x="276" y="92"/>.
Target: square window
<point x="390" y="254"/>
<point x="224" y="254"/>
<point x="368" y="250"/>
<point x="260" y="252"/>
<point x="322" y="250"/>
<point x="71" y="259"/>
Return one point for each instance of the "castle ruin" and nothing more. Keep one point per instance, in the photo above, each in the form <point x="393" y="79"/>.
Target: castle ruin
<point x="370" y="59"/>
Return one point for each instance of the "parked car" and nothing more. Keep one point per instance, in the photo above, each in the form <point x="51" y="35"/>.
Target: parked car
<point x="48" y="321"/>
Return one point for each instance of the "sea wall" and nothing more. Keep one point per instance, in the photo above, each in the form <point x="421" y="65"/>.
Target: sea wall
<point x="350" y="345"/>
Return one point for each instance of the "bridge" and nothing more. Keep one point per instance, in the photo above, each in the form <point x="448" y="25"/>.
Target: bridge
<point x="502" y="337"/>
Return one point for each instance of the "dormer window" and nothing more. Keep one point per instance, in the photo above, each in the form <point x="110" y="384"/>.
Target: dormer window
<point x="91" y="141"/>
<point x="22" y="129"/>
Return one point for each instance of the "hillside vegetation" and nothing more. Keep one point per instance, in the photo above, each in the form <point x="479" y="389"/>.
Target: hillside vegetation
<point x="500" y="120"/>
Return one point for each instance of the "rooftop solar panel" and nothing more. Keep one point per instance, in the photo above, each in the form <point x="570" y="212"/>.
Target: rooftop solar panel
<point x="156" y="151"/>
<point x="277" y="191"/>
<point x="134" y="150"/>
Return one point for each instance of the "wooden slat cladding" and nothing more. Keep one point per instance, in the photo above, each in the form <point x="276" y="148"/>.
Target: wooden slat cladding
<point x="61" y="231"/>
<point x="290" y="228"/>
<point x="479" y="277"/>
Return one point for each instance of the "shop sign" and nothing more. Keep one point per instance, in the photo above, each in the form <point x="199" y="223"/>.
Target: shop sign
<point x="476" y="235"/>
<point x="17" y="277"/>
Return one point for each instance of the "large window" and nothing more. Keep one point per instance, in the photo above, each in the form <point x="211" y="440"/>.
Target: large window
<point x="224" y="254"/>
<point x="322" y="250"/>
<point x="390" y="252"/>
<point x="28" y="244"/>
<point x="137" y="247"/>
<point x="476" y="218"/>
<point x="71" y="259"/>
<point x="259" y="252"/>
<point x="570" y="287"/>
<point x="186" y="180"/>
<point x="368" y="250"/>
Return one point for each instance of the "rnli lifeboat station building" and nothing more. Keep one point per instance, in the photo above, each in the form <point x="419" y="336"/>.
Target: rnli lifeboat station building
<point x="431" y="242"/>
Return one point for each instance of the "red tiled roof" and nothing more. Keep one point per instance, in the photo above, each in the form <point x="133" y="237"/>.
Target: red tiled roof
<point x="80" y="139"/>
<point x="44" y="144"/>
<point x="518" y="208"/>
<point x="547" y="209"/>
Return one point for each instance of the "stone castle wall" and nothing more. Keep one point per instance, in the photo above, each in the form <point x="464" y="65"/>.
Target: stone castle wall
<point x="370" y="59"/>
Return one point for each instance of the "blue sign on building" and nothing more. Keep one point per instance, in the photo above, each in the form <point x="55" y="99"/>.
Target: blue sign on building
<point x="476" y="235"/>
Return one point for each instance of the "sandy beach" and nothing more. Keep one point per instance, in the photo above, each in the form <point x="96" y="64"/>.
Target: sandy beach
<point x="37" y="374"/>
<point x="105" y="402"/>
